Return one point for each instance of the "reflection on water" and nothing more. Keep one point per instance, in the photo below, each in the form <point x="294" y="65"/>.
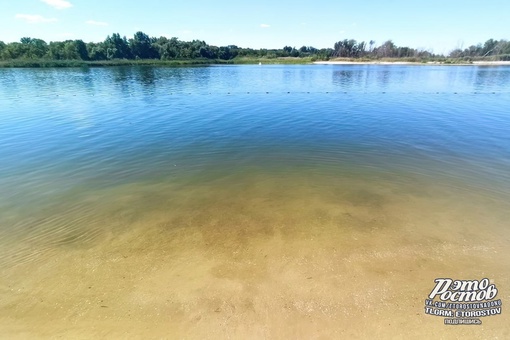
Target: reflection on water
<point x="489" y="78"/>
<point x="274" y="201"/>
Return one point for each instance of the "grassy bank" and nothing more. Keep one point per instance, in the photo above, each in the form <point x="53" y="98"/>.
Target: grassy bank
<point x="274" y="61"/>
<point x="45" y="63"/>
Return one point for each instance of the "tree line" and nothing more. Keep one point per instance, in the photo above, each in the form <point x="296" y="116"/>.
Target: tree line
<point x="141" y="46"/>
<point x="491" y="47"/>
<point x="499" y="50"/>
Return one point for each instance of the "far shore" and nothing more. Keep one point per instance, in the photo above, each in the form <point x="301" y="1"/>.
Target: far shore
<point x="375" y="62"/>
<point x="47" y="63"/>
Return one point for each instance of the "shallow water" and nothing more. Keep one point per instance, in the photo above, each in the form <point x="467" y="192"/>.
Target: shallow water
<point x="250" y="201"/>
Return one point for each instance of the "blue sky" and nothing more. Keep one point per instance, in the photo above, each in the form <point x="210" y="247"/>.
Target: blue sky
<point x="435" y="25"/>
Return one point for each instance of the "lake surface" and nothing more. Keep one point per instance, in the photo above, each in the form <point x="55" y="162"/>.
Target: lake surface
<point x="310" y="201"/>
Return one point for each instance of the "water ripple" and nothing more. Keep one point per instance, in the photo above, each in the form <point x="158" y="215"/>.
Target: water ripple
<point x="69" y="133"/>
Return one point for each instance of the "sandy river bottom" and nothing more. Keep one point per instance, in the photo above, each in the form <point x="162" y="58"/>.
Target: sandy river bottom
<point x="259" y="256"/>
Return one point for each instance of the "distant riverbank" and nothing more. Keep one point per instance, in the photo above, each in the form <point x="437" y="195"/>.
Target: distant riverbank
<point x="47" y="63"/>
<point x="398" y="62"/>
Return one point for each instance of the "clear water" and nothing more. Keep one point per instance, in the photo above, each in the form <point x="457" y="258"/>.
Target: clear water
<point x="194" y="202"/>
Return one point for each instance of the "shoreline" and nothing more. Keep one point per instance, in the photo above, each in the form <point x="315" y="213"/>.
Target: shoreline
<point x="42" y="63"/>
<point x="474" y="63"/>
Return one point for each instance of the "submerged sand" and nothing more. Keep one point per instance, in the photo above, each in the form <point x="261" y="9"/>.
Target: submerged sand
<point x="259" y="257"/>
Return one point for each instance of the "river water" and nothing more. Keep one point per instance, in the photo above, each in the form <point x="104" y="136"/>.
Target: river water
<point x="308" y="201"/>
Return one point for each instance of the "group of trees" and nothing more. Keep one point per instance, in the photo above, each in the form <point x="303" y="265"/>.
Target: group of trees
<point x="349" y="48"/>
<point x="495" y="48"/>
<point x="141" y="46"/>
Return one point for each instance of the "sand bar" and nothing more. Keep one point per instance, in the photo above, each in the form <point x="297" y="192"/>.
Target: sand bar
<point x="474" y="63"/>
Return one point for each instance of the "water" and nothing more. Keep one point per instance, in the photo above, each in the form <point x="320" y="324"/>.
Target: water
<point x="250" y="201"/>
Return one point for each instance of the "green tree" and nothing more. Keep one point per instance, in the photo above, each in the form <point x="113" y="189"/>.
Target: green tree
<point x="70" y="50"/>
<point x="141" y="47"/>
<point x="96" y="51"/>
<point x="81" y="48"/>
<point x="456" y="53"/>
<point x="56" y="50"/>
<point x="489" y="47"/>
<point x="33" y="48"/>
<point x="371" y="44"/>
<point x="168" y="48"/>
<point x="361" y="49"/>
<point x="14" y="50"/>
<point x="227" y="52"/>
<point x="386" y="50"/>
<point x="504" y="47"/>
<point x="347" y="48"/>
<point x="117" y="47"/>
<point x="209" y="52"/>
<point x="2" y="47"/>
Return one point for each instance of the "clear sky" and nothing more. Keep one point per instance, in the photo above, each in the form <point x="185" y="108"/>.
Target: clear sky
<point x="429" y="24"/>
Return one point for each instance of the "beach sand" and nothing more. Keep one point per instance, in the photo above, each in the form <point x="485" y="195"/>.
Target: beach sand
<point x="259" y="259"/>
<point x="476" y="63"/>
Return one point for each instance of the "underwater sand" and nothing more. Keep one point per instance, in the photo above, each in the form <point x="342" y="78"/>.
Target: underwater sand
<point x="258" y="257"/>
